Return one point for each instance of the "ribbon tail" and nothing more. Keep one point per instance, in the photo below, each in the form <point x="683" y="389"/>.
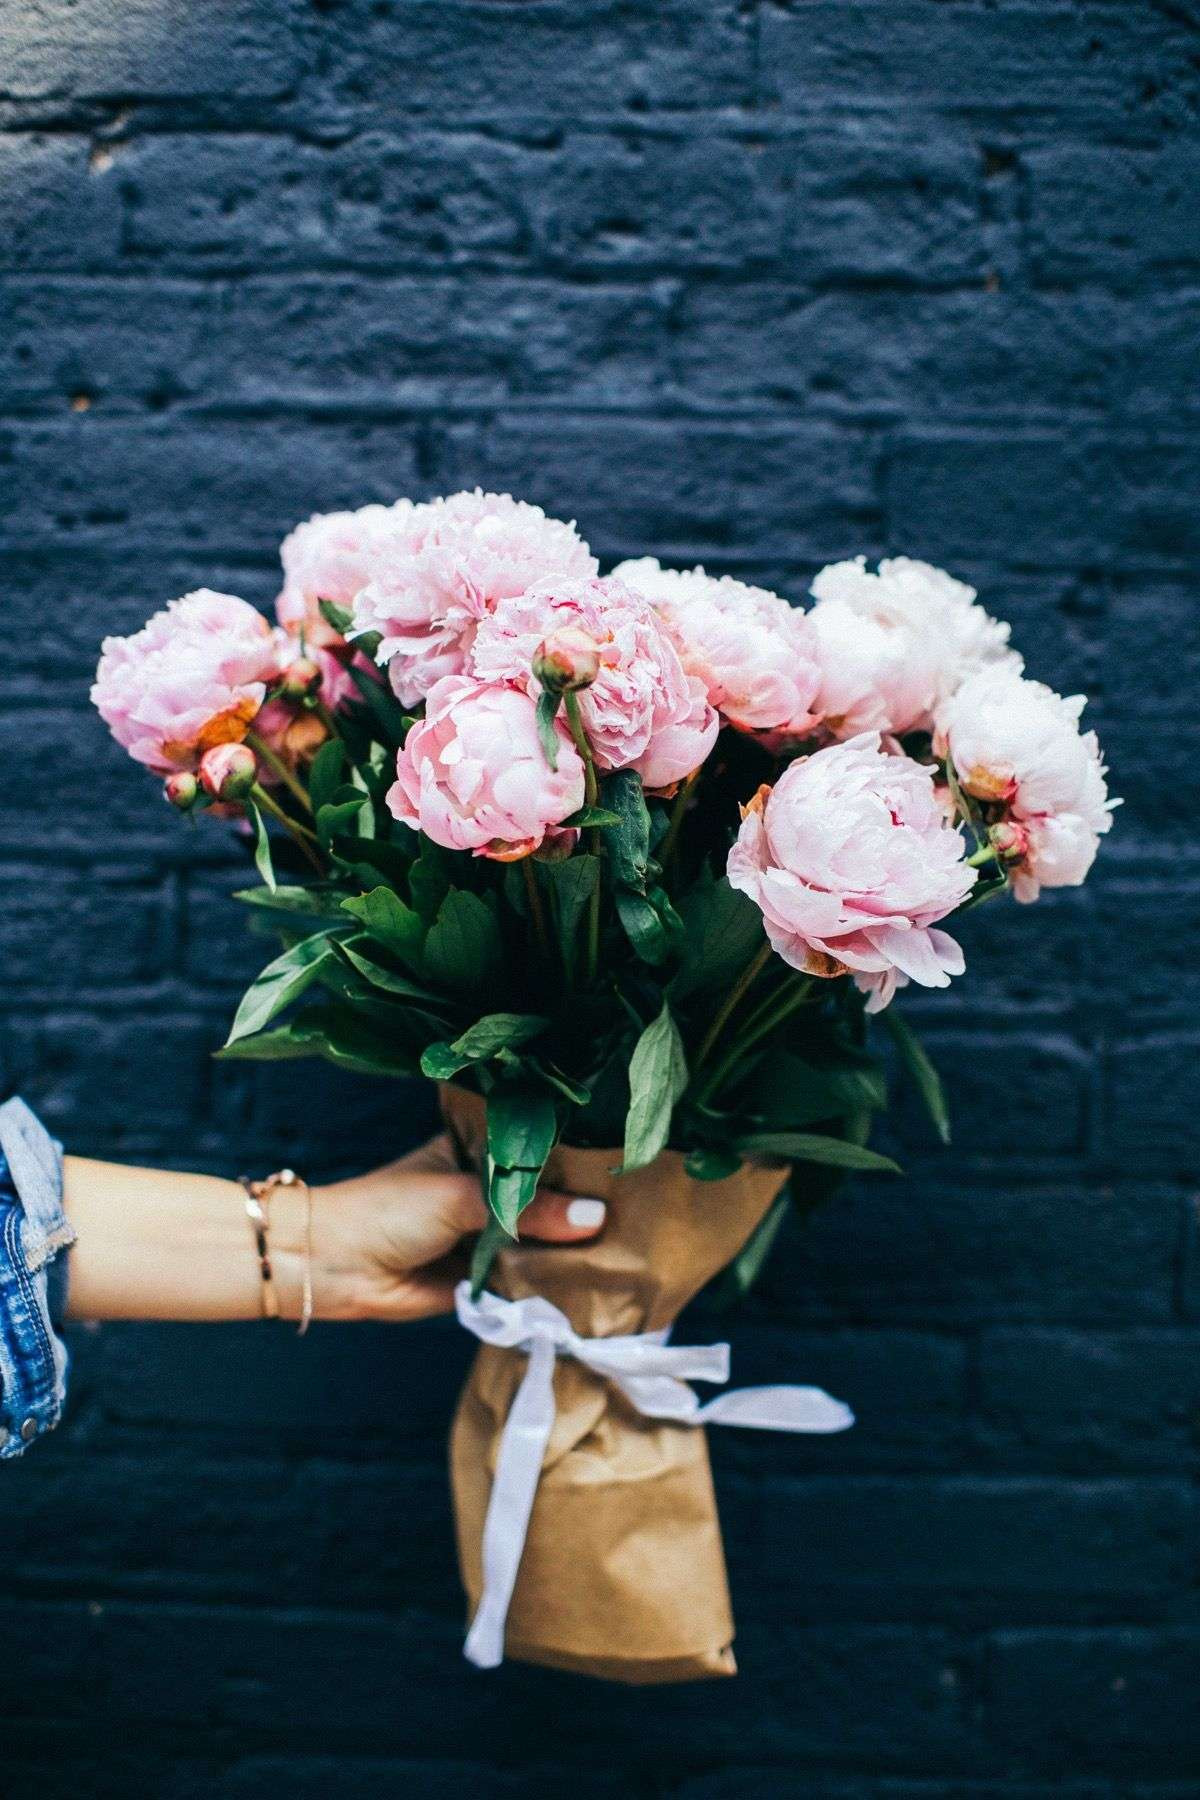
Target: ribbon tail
<point x="518" y="1467"/>
<point x="778" y="1409"/>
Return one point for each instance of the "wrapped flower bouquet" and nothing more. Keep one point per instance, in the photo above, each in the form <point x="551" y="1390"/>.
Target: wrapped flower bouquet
<point x="626" y="864"/>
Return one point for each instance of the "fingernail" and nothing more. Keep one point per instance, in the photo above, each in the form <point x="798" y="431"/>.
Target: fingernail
<point x="586" y="1215"/>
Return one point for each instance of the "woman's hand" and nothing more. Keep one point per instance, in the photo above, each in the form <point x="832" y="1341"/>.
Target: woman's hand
<point x="388" y="1245"/>
<point x="156" y="1245"/>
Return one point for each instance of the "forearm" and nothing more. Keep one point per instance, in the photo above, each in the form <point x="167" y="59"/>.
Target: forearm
<point x="154" y="1244"/>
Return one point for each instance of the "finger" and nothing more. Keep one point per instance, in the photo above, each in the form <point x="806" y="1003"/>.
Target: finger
<point x="437" y="1156"/>
<point x="563" y="1218"/>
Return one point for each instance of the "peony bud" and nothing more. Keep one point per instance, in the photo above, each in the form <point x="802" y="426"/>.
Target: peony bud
<point x="300" y="679"/>
<point x="567" y="660"/>
<point x="1010" y="840"/>
<point x="228" y="771"/>
<point x="181" y="790"/>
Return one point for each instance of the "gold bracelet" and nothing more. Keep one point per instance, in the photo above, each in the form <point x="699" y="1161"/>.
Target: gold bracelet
<point x="259" y="1195"/>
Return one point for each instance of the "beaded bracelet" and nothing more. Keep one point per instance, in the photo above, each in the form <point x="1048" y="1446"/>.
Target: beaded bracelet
<point x="259" y="1195"/>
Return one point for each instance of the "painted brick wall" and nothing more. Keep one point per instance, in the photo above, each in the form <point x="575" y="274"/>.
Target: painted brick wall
<point x="759" y="284"/>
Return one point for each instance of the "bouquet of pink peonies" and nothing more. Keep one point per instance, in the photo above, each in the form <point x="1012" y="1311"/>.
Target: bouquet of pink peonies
<point x="626" y="864"/>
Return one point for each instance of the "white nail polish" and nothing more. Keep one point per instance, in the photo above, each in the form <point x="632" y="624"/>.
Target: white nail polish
<point x="586" y="1215"/>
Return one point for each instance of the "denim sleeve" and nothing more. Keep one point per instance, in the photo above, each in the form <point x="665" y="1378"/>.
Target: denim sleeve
<point x="33" y="1230"/>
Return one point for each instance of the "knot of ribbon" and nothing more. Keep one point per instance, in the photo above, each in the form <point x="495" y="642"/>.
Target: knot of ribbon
<point x="652" y="1374"/>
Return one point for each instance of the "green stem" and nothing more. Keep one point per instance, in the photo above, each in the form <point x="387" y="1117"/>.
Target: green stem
<point x="678" y="812"/>
<point x="591" y="793"/>
<point x="326" y="717"/>
<point x="536" y="910"/>
<point x="294" y="829"/>
<point x="985" y="854"/>
<point x="765" y="1024"/>
<point x="748" y="975"/>
<point x="280" y="768"/>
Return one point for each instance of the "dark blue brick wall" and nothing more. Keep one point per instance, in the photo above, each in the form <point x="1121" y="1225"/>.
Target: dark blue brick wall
<point x="760" y="284"/>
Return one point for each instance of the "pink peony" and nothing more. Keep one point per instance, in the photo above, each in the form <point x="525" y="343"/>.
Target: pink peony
<point x="894" y="645"/>
<point x="643" y="711"/>
<point x="331" y="557"/>
<point x="756" y="655"/>
<point x="1016" y="745"/>
<point x="851" y="860"/>
<point x="444" y="567"/>
<point x="473" y="775"/>
<point x="194" y="676"/>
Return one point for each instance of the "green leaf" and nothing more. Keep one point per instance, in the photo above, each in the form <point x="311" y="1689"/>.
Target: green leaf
<point x="712" y="1165"/>
<point x="571" y="883"/>
<point x="390" y="716"/>
<point x="429" y="881"/>
<point x="575" y="1091"/>
<point x="463" y="949"/>
<point x="285" y="1043"/>
<point x="643" y="927"/>
<point x="722" y="931"/>
<point x="332" y="819"/>
<point x="484" y="1039"/>
<point x="546" y="713"/>
<point x="746" y="1267"/>
<point x="806" y="1146"/>
<point x="598" y="816"/>
<point x="337" y="616"/>
<point x="488" y="1245"/>
<point x="386" y="980"/>
<point x="925" y="1077"/>
<point x="325" y="774"/>
<point x="787" y="1092"/>
<point x="628" y="845"/>
<point x="390" y="922"/>
<point x="657" y="1077"/>
<point x="498" y="1031"/>
<point x="313" y="903"/>
<point x="522" y="1123"/>
<point x="262" y="847"/>
<point x="281" y="982"/>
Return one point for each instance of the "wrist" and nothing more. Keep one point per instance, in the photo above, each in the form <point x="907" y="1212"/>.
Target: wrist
<point x="310" y="1236"/>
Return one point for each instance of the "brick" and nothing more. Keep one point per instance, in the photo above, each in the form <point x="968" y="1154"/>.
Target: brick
<point x="1039" y="1083"/>
<point x="1088" y="1400"/>
<point x="952" y="1549"/>
<point x="1070" y="61"/>
<point x="1046" y="501"/>
<point x="67" y="932"/>
<point x="1109" y="213"/>
<point x="1117" y="1700"/>
<point x="424" y="343"/>
<point x="1150" y="1125"/>
<point x="494" y="61"/>
<point x="162" y="50"/>
<point x="82" y="1072"/>
<point x="936" y="1248"/>
<point x="55" y="211"/>
<point x="232" y="487"/>
<point x="807" y="489"/>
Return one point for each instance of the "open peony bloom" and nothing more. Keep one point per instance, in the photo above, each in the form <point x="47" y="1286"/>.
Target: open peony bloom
<point x="195" y="675"/>
<point x="1016" y="745"/>
<point x="852" y="861"/>
<point x="473" y="775"/>
<point x="444" y="568"/>
<point x="896" y="644"/>
<point x="756" y="655"/>
<point x="331" y="557"/>
<point x="643" y="711"/>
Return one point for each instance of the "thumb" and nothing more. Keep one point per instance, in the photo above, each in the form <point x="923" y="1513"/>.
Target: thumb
<point x="562" y="1218"/>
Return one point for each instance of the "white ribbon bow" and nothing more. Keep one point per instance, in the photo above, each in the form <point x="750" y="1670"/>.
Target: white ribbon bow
<point x="653" y="1376"/>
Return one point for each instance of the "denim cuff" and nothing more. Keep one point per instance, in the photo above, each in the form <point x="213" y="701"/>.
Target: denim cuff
<point x="33" y="1231"/>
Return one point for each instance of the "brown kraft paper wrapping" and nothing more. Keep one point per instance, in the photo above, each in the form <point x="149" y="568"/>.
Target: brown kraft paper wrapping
<point x="623" y="1572"/>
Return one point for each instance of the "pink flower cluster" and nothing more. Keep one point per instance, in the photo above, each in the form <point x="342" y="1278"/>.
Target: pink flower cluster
<point x="474" y="606"/>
